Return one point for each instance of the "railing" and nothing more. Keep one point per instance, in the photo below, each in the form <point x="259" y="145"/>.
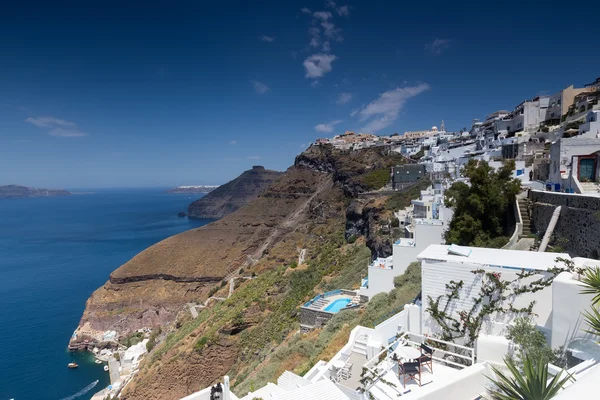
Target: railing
<point x="447" y="352"/>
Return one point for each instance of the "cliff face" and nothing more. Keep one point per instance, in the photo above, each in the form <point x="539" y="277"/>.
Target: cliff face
<point x="303" y="211"/>
<point x="16" y="191"/>
<point x="234" y="194"/>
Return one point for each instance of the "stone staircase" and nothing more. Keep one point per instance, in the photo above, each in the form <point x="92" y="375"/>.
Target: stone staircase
<point x="589" y="187"/>
<point x="360" y="345"/>
<point x="525" y="217"/>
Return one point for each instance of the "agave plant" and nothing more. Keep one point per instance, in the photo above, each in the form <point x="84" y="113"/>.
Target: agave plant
<point x="591" y="280"/>
<point x="530" y="384"/>
<point x="592" y="318"/>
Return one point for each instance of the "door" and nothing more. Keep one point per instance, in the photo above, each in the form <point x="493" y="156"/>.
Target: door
<point x="587" y="167"/>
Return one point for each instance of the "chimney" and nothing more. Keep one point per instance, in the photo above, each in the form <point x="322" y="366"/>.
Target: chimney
<point x="226" y="395"/>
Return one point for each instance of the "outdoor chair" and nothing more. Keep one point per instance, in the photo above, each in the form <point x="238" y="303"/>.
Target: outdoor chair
<point x="410" y="370"/>
<point x="426" y="356"/>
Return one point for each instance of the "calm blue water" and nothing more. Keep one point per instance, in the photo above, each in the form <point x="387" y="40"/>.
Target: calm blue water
<point x="54" y="252"/>
<point x="337" y="305"/>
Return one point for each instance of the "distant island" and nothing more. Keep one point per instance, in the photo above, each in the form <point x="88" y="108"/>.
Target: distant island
<point x="18" y="192"/>
<point x="192" y="189"/>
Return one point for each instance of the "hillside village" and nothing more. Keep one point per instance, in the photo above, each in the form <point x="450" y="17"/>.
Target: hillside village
<point x="555" y="143"/>
<point x="447" y="341"/>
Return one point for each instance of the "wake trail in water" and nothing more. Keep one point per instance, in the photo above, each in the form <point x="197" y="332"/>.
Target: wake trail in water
<point x="82" y="391"/>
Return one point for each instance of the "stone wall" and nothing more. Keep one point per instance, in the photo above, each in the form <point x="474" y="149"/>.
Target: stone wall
<point x="578" y="227"/>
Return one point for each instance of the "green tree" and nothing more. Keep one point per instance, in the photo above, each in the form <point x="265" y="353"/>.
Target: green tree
<point x="529" y="384"/>
<point x="529" y="342"/>
<point x="481" y="207"/>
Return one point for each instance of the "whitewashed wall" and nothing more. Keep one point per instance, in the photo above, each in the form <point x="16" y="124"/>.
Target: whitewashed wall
<point x="567" y="304"/>
<point x="436" y="274"/>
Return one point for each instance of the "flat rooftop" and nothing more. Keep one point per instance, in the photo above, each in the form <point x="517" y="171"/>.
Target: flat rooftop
<point x="515" y="259"/>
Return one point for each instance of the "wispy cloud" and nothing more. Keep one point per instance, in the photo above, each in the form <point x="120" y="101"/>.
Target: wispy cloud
<point x="322" y="15"/>
<point x="266" y="38"/>
<point x="328" y="127"/>
<point x="57" y="126"/>
<point x="318" y="65"/>
<point x="322" y="32"/>
<point x="232" y="142"/>
<point x="253" y="157"/>
<point x="49" y="122"/>
<point x="260" y="87"/>
<point x="66" y="132"/>
<point x="344" y="98"/>
<point x="438" y="45"/>
<point x="343" y="11"/>
<point x="383" y="111"/>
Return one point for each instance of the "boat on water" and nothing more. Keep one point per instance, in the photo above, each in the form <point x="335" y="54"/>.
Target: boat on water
<point x="98" y="361"/>
<point x="72" y="365"/>
<point x="106" y="367"/>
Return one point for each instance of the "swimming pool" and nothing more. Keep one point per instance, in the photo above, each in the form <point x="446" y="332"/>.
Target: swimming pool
<point x="338" y="305"/>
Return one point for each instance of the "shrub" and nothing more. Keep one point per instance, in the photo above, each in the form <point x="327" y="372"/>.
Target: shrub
<point x="530" y="342"/>
<point x="377" y="178"/>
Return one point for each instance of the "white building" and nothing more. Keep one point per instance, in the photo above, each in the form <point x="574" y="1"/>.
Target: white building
<point x="425" y="222"/>
<point x="563" y="154"/>
<point x="591" y="126"/>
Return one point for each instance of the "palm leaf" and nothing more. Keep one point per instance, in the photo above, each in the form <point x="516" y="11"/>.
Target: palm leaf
<point x="530" y="384"/>
<point x="591" y="280"/>
<point x="592" y="318"/>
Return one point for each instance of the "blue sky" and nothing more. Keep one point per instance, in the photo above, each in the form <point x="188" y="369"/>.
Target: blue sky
<point x="189" y="92"/>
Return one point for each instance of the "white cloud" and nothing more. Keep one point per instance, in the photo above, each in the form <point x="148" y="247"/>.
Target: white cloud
<point x="315" y="36"/>
<point x="66" y="132"/>
<point x="49" y="122"/>
<point x="331" y="31"/>
<point x="343" y="11"/>
<point x="322" y="15"/>
<point x="253" y="157"/>
<point x="326" y="47"/>
<point x="438" y="45"/>
<point x="344" y="98"/>
<point x="232" y="142"/>
<point x="266" y="38"/>
<point x="305" y="10"/>
<point x="383" y="111"/>
<point x="326" y="128"/>
<point x="260" y="87"/>
<point x="57" y="126"/>
<point x="318" y="65"/>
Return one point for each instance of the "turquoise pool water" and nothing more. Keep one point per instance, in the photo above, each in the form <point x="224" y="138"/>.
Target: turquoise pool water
<point x="337" y="305"/>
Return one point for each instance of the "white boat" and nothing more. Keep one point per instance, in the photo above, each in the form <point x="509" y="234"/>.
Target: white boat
<point x="106" y="367"/>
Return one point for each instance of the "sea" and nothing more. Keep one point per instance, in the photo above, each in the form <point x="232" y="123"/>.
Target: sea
<point x="54" y="252"/>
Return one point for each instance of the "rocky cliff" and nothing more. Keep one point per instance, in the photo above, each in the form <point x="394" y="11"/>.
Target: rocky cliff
<point x="16" y="191"/>
<point x="234" y="194"/>
<point x="257" y="248"/>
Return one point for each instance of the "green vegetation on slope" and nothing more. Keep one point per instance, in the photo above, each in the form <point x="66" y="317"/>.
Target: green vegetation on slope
<point x="302" y="351"/>
<point x="400" y="200"/>
<point x="481" y="209"/>
<point x="376" y="179"/>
